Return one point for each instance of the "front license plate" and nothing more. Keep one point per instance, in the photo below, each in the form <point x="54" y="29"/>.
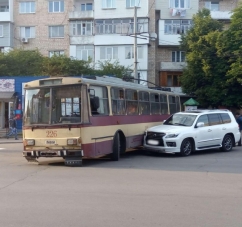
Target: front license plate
<point x="153" y="142"/>
<point x="50" y="142"/>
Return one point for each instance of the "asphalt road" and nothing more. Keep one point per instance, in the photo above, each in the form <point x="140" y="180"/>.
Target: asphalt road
<point x="202" y="190"/>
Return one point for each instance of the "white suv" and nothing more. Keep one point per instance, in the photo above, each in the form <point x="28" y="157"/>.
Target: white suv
<point x="189" y="131"/>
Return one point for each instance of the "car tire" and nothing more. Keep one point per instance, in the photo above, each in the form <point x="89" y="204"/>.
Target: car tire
<point x="227" y="143"/>
<point x="186" y="147"/>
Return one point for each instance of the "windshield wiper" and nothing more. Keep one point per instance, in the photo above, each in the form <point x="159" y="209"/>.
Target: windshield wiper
<point x="180" y="124"/>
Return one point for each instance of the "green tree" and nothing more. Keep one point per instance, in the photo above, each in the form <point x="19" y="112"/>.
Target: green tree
<point x="203" y="76"/>
<point x="21" y="62"/>
<point x="214" y="60"/>
<point x="109" y="68"/>
<point x="65" y="66"/>
<point x="229" y="47"/>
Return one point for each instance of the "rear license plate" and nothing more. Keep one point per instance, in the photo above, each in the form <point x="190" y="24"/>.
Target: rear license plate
<point x="50" y="142"/>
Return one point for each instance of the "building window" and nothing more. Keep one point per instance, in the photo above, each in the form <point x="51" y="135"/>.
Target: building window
<point x="56" y="53"/>
<point x="4" y="8"/>
<point x="129" y="52"/>
<point x="178" y="56"/>
<point x="84" y="52"/>
<point x="79" y="28"/>
<point x="108" y="52"/>
<point x="180" y="4"/>
<point x="120" y="26"/>
<point x="27" y="32"/>
<point x="172" y="80"/>
<point x="26" y="7"/>
<point x="86" y="7"/>
<point x="213" y="6"/>
<point x="56" y="6"/>
<point x="108" y="4"/>
<point x="1" y="30"/>
<point x="56" y="31"/>
<point x="132" y="3"/>
<point x="176" y="27"/>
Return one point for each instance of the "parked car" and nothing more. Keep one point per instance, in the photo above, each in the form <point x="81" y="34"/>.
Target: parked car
<point x="185" y="132"/>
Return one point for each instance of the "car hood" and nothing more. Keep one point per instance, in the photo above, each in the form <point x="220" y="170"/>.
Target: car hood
<point x="168" y="129"/>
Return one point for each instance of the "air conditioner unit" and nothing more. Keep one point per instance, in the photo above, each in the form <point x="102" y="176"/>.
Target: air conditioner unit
<point x="25" y="40"/>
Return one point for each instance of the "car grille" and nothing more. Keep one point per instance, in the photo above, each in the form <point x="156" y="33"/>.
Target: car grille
<point x="155" y="136"/>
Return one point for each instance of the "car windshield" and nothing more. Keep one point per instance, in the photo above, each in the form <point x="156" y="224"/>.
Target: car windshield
<point x="181" y="119"/>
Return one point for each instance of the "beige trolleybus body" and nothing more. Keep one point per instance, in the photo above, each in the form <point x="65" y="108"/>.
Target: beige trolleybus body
<point x="77" y="118"/>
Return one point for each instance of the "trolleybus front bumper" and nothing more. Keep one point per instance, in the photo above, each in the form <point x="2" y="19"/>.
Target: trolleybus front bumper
<point x="72" y="158"/>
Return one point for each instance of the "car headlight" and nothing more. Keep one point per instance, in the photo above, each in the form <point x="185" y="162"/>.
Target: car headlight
<point x="172" y="135"/>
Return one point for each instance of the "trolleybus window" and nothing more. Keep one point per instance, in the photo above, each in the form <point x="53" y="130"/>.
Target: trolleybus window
<point x="99" y="101"/>
<point x="118" y="102"/>
<point x="173" y="104"/>
<point x="154" y="102"/>
<point x="53" y="105"/>
<point x="131" y="102"/>
<point x="164" y="104"/>
<point x="144" y="104"/>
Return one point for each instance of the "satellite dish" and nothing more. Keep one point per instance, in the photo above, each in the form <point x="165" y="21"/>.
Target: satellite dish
<point x="153" y="36"/>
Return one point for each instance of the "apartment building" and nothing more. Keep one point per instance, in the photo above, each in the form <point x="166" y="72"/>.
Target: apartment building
<point x="104" y="30"/>
<point x="6" y="25"/>
<point x="176" y="19"/>
<point x="82" y="29"/>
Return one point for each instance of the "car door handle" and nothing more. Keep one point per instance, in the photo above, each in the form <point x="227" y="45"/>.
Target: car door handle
<point x="223" y="128"/>
<point x="209" y="130"/>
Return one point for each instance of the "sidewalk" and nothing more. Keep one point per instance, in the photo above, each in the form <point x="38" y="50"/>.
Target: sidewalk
<point x="10" y="140"/>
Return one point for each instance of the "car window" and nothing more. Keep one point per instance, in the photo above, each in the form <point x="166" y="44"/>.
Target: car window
<point x="181" y="119"/>
<point x="204" y="119"/>
<point x="214" y="119"/>
<point x="225" y="117"/>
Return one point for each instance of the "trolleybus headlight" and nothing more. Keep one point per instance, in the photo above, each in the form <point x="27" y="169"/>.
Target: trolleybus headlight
<point x="71" y="141"/>
<point x="29" y="142"/>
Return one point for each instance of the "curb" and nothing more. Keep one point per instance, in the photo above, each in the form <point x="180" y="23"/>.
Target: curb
<point x="10" y="140"/>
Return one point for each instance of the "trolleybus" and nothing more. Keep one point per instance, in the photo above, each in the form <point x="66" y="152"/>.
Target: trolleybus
<point x="76" y="118"/>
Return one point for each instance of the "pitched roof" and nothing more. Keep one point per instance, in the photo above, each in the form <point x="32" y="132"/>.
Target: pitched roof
<point x="191" y="102"/>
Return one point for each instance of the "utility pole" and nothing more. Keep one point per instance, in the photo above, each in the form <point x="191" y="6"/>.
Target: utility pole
<point x="135" y="43"/>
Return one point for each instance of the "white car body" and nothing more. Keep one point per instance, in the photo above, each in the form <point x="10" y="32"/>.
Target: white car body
<point x="202" y="135"/>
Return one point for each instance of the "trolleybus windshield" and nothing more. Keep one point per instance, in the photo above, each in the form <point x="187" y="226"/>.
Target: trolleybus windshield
<point x="53" y="105"/>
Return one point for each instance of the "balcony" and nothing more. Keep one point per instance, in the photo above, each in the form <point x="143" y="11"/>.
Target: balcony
<point x="5" y="17"/>
<point x="172" y="66"/>
<point x="84" y="40"/>
<point x="81" y="15"/>
<point x="221" y="15"/>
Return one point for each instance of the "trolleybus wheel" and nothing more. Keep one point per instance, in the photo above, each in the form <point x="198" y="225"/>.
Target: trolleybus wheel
<point x="116" y="148"/>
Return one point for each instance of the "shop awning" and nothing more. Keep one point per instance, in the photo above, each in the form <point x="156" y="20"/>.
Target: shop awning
<point x="7" y="95"/>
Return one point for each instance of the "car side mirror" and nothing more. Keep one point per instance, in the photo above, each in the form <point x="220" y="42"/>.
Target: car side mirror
<point x="200" y="124"/>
